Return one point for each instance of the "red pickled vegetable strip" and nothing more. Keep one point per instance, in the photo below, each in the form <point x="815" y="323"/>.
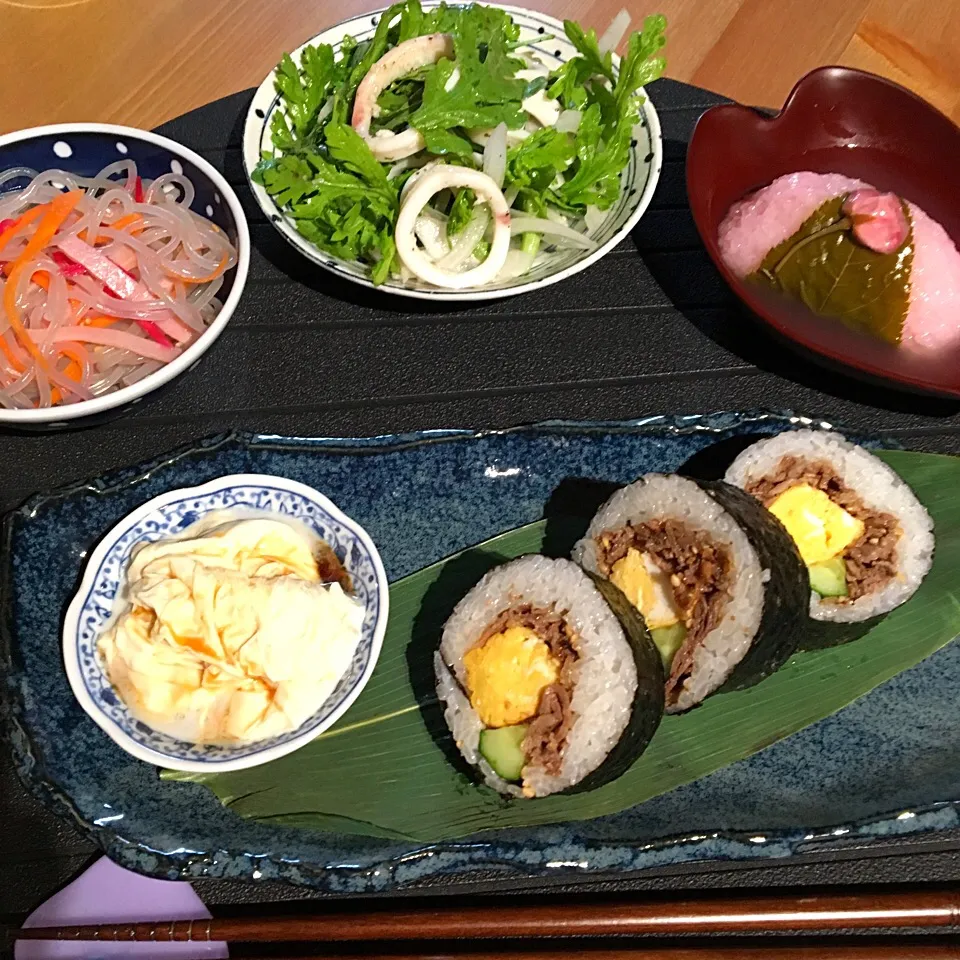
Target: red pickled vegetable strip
<point x="115" y="279"/>
<point x="155" y="333"/>
<point x="67" y="266"/>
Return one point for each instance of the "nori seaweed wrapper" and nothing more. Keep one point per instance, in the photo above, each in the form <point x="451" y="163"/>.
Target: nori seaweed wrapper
<point x="786" y="595"/>
<point x="820" y="634"/>
<point x="648" y="703"/>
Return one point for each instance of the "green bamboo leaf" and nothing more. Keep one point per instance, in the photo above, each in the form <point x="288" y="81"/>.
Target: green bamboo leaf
<point x="388" y="768"/>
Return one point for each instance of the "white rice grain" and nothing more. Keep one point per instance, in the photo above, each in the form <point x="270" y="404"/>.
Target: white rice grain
<point x="879" y="487"/>
<point x="659" y="497"/>
<point x="606" y="673"/>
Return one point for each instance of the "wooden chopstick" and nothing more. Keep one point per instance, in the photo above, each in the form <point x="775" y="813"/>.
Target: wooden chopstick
<point x="914" y="908"/>
<point x="767" y="950"/>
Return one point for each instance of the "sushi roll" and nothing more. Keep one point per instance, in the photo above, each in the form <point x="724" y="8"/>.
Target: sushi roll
<point x="718" y="581"/>
<point x="865" y="538"/>
<point x="870" y="259"/>
<point x="544" y="687"/>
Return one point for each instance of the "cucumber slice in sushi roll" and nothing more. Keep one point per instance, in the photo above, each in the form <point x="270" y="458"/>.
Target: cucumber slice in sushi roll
<point x="718" y="581"/>
<point x="866" y="539"/>
<point x="547" y="685"/>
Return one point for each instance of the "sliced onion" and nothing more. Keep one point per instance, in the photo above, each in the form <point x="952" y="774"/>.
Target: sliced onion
<point x="516" y="265"/>
<point x="433" y="235"/>
<point x="594" y="218"/>
<point x="430" y="183"/>
<point x="466" y="242"/>
<point x="521" y="223"/>
<point x="510" y="195"/>
<point x="495" y="155"/>
<point x="407" y="163"/>
<point x="325" y="110"/>
<point x="615" y="32"/>
<point x="569" y="121"/>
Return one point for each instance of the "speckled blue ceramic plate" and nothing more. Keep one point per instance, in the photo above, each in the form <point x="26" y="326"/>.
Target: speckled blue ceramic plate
<point x="422" y="497"/>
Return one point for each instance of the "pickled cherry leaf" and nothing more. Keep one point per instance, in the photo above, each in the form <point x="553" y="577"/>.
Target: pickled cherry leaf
<point x="834" y="275"/>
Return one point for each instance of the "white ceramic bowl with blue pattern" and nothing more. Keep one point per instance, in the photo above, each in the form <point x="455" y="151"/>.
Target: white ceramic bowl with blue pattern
<point x="543" y="36"/>
<point x="83" y="149"/>
<point x="168" y="516"/>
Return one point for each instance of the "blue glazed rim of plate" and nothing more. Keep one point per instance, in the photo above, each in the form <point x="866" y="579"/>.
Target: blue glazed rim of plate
<point x="169" y="514"/>
<point x="563" y="859"/>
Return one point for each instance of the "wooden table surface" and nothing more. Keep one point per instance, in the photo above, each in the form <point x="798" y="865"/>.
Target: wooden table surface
<point x="141" y="62"/>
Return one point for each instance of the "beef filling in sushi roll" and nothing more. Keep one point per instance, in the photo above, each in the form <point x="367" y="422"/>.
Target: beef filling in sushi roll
<point x="866" y="539"/>
<point x="720" y="585"/>
<point x="544" y="688"/>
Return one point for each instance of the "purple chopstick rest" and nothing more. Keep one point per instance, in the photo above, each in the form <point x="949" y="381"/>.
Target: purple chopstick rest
<point x="106" y="893"/>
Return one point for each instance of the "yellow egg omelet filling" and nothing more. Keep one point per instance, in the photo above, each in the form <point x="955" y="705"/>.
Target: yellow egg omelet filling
<point x="647" y="587"/>
<point x="507" y="674"/>
<point x="821" y="529"/>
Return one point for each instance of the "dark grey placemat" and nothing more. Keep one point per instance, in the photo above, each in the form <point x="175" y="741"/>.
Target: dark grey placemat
<point x="649" y="329"/>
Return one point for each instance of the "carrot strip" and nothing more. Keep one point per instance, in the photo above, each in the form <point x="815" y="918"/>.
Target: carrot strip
<point x="210" y="276"/>
<point x="13" y="316"/>
<point x="23" y="221"/>
<point x="129" y="220"/>
<point x="74" y="369"/>
<point x="10" y="355"/>
<point x="60" y="208"/>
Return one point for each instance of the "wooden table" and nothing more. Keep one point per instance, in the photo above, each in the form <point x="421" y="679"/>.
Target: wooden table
<point x="141" y="63"/>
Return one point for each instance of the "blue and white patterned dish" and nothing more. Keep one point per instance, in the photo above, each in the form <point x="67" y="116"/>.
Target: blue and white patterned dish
<point x="423" y="496"/>
<point x="169" y="515"/>
<point x="543" y="36"/>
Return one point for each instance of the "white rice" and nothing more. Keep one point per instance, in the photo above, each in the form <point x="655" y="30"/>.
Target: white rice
<point x="660" y="497"/>
<point x="605" y="679"/>
<point x="879" y="487"/>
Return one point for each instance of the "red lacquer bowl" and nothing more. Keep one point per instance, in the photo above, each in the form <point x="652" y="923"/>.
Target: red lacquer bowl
<point x="836" y="120"/>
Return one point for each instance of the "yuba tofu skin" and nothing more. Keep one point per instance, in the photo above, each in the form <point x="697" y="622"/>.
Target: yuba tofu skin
<point x="798" y="235"/>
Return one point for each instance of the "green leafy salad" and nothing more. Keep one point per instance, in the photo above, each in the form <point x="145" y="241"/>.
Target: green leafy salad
<point x="446" y="148"/>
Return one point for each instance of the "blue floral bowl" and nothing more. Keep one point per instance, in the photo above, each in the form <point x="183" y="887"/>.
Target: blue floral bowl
<point x="167" y="516"/>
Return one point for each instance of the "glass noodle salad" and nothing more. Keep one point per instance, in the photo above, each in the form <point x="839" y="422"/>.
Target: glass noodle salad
<point x="103" y="280"/>
<point x="446" y="148"/>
